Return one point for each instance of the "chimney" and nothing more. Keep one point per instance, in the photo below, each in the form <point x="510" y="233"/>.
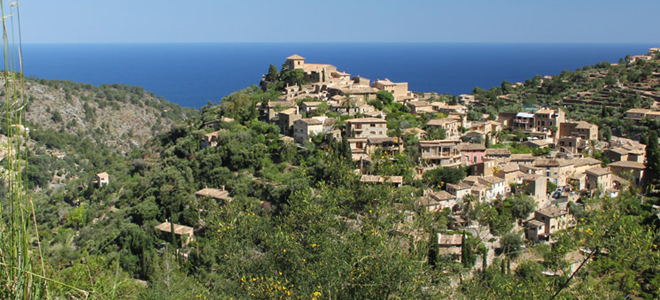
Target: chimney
<point x="223" y="187"/>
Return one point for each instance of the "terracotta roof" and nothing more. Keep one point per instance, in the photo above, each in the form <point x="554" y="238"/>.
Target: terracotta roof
<point x="539" y="143"/>
<point x="450" y="239"/>
<point x="638" y="110"/>
<point x="507" y="168"/>
<point x="414" y="130"/>
<point x="310" y="121"/>
<point x="598" y="171"/>
<point x="478" y="187"/>
<point x="498" y="152"/>
<point x="178" y="229"/>
<point x="381" y="140"/>
<point x="579" y="162"/>
<point x="366" y="120"/>
<point x="522" y="157"/>
<point x="419" y="103"/>
<point x="353" y="140"/>
<point x="385" y="82"/>
<point x="543" y="162"/>
<point x="472" y="147"/>
<point x="437" y="142"/>
<point x="213" y="193"/>
<point x="584" y="125"/>
<point x="619" y="150"/>
<point x="491" y="179"/>
<point x="288" y="111"/>
<point x="381" y="179"/>
<point x="552" y="211"/>
<point x="103" y="174"/>
<point x="545" y="111"/>
<point x="459" y="186"/>
<point x="628" y="164"/>
<point x="440" y="122"/>
<point x="295" y="56"/>
<point x="531" y="177"/>
<point x="442" y="196"/>
<point x="471" y="178"/>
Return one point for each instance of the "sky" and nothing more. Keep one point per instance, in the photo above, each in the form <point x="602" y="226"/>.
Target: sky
<point x="211" y="21"/>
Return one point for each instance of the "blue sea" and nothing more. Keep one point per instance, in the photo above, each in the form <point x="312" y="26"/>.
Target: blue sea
<point x="192" y="74"/>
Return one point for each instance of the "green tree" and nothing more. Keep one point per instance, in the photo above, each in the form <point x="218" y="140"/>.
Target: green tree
<point x="386" y="97"/>
<point x="468" y="254"/>
<point x="436" y="133"/>
<point x="606" y="133"/>
<point x="652" y="172"/>
<point x="273" y="74"/>
<point x="294" y="77"/>
<point x="520" y="206"/>
<point x="77" y="217"/>
<point x="511" y="243"/>
<point x="170" y="282"/>
<point x="441" y="176"/>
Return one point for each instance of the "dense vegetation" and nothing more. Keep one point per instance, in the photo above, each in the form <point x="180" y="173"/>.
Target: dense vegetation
<point x="300" y="224"/>
<point x="599" y="94"/>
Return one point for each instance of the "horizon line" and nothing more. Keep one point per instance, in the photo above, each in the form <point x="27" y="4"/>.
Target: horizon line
<point x="342" y="42"/>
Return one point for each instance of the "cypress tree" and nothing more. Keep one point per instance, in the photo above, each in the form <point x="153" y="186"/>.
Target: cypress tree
<point x="433" y="249"/>
<point x="652" y="172"/>
<point x="464" y="250"/>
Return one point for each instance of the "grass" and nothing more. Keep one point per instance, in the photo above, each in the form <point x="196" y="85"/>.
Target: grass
<point x="23" y="273"/>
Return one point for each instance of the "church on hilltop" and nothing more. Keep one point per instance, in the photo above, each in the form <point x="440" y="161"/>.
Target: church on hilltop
<point x="314" y="73"/>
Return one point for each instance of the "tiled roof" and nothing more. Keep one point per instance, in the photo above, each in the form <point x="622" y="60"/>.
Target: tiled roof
<point x="472" y="147"/>
<point x="598" y="171"/>
<point x="552" y="211"/>
<point x="628" y="164"/>
<point x="178" y="229"/>
<point x="522" y="157"/>
<point x="311" y="121"/>
<point x="366" y="120"/>
<point x="213" y="193"/>
<point x="381" y="179"/>
<point x="450" y="239"/>
<point x="442" y="196"/>
<point x="498" y="152"/>
<point x="459" y="186"/>
<point x="295" y="56"/>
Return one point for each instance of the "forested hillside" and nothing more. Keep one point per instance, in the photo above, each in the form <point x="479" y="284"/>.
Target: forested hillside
<point x="599" y="94"/>
<point x="116" y="115"/>
<point x="298" y="223"/>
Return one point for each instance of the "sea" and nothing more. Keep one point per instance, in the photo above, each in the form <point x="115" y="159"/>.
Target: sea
<point x="193" y="75"/>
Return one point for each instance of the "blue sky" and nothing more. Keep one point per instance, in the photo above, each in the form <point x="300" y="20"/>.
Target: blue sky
<point x="135" y="21"/>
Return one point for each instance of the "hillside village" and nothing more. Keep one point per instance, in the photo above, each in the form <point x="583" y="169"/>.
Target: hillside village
<point x="319" y="183"/>
<point x="562" y="168"/>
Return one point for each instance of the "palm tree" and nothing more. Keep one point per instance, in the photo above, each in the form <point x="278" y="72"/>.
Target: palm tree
<point x="468" y="201"/>
<point x="348" y="104"/>
<point x="591" y="147"/>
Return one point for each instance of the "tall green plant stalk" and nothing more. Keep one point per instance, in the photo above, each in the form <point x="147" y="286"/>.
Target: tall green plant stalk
<point x="22" y="269"/>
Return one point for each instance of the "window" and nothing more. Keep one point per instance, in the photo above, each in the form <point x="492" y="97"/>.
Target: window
<point x="358" y="126"/>
<point x="372" y="125"/>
